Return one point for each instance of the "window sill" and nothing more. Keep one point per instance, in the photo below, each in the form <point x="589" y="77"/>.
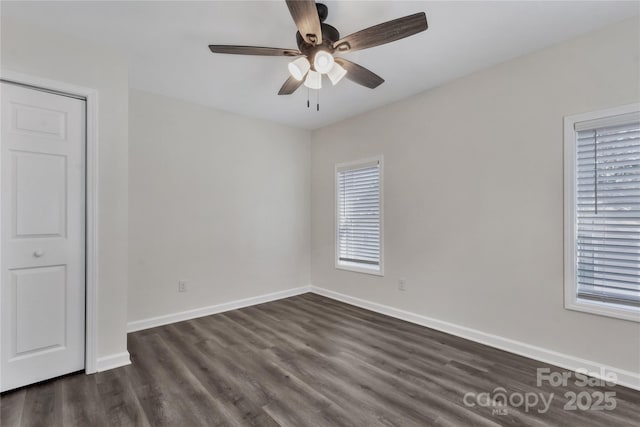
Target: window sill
<point x="604" y="309"/>
<point x="360" y="268"/>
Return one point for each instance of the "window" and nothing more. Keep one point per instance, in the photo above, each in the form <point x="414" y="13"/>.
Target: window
<point x="359" y="216"/>
<point x="602" y="212"/>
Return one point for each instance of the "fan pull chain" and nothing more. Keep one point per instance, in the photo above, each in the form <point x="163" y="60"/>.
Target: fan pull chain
<point x="317" y="99"/>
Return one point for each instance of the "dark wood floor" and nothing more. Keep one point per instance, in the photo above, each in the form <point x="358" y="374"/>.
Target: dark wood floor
<point x="303" y="361"/>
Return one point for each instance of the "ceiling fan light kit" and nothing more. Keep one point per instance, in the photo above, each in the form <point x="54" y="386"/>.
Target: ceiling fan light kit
<point x="299" y="68"/>
<point x="323" y="61"/>
<point x="336" y="73"/>
<point x="313" y="80"/>
<point x="318" y="42"/>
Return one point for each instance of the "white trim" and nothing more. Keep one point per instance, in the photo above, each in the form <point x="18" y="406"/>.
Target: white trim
<point x="625" y="378"/>
<point x="356" y="164"/>
<point x="152" y="322"/>
<point x="571" y="301"/>
<point x="113" y="361"/>
<point x="91" y="200"/>
<point x="360" y="268"/>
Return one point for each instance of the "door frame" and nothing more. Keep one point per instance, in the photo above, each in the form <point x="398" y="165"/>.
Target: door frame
<point x="91" y="199"/>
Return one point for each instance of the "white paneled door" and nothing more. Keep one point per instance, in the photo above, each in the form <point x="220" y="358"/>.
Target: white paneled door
<point x="42" y="254"/>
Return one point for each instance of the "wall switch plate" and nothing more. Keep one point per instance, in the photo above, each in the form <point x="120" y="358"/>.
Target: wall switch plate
<point x="402" y="284"/>
<point x="182" y="286"/>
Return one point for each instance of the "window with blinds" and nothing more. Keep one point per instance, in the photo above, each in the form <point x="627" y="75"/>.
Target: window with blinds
<point x="358" y="216"/>
<point x="607" y="209"/>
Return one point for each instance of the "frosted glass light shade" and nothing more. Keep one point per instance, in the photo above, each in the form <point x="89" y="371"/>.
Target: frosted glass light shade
<point x="299" y="68"/>
<point x="323" y="61"/>
<point x="313" y="80"/>
<point x="336" y="73"/>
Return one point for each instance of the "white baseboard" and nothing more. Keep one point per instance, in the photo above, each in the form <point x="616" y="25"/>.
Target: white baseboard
<point x="625" y="378"/>
<point x="112" y="361"/>
<point x="152" y="322"/>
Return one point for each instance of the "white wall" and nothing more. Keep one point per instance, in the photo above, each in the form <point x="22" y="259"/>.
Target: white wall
<point x="474" y="196"/>
<point x="46" y="54"/>
<point x="216" y="199"/>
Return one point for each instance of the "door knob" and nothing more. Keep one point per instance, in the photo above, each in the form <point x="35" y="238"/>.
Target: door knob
<point x="38" y="253"/>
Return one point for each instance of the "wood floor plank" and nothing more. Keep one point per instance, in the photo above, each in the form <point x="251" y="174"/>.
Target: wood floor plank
<point x="11" y="408"/>
<point x="172" y="395"/>
<point x="119" y="401"/>
<point x="40" y="408"/>
<point x="350" y="389"/>
<point x="219" y="376"/>
<point x="304" y="361"/>
<point x="81" y="402"/>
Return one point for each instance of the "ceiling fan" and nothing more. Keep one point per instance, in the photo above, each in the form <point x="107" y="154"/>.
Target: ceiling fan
<point x="318" y="42"/>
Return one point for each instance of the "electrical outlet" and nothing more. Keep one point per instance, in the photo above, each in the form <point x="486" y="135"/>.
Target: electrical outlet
<point x="402" y="284"/>
<point x="182" y="286"/>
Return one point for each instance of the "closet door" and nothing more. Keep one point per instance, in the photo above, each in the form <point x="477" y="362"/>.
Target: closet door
<point x="42" y="289"/>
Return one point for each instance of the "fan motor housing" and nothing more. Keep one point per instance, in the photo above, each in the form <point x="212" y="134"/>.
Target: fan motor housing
<point x="329" y="35"/>
<point x="323" y="11"/>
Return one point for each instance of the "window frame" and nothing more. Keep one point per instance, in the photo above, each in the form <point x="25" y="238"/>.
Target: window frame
<point x="571" y="300"/>
<point x="356" y="267"/>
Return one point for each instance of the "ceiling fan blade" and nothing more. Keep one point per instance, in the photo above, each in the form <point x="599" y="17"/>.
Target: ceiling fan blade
<point x="253" y="50"/>
<point x="305" y="15"/>
<point x="383" y="33"/>
<point x="359" y="74"/>
<point x="290" y="86"/>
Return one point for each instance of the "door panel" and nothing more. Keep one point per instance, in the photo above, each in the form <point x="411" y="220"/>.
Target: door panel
<point x="42" y="289"/>
<point x="39" y="308"/>
<point x="40" y="189"/>
<point x="33" y="120"/>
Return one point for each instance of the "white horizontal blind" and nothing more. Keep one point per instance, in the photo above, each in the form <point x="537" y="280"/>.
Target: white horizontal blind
<point x="359" y="215"/>
<point x="608" y="211"/>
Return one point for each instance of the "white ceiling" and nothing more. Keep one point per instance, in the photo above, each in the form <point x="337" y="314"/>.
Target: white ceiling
<point x="166" y="44"/>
